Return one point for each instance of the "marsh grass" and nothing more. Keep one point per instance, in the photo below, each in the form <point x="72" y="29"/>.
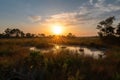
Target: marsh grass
<point x="17" y="61"/>
<point x="47" y="41"/>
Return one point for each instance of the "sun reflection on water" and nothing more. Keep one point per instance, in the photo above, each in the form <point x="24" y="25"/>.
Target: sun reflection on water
<point x="57" y="47"/>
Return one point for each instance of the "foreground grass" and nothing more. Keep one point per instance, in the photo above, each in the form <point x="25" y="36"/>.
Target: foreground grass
<point x="18" y="63"/>
<point x="62" y="66"/>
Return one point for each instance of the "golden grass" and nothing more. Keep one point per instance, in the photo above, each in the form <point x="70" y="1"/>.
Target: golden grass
<point x="15" y="57"/>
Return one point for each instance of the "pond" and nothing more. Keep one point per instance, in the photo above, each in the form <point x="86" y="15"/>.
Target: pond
<point x="85" y="51"/>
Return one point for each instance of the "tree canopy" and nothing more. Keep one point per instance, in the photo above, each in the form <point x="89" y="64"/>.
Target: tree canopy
<point x="108" y="31"/>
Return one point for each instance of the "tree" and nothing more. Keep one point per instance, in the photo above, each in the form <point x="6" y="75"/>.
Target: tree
<point x="118" y="30"/>
<point x="70" y="35"/>
<point x="15" y="33"/>
<point x="8" y="33"/>
<point x="41" y="35"/>
<point x="22" y="34"/>
<point x="105" y="27"/>
<point x="29" y="35"/>
<point x="1" y="35"/>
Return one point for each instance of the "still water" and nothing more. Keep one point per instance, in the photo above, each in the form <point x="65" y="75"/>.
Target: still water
<point x="85" y="51"/>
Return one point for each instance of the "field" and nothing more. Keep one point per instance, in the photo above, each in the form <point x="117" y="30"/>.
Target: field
<point x="17" y="62"/>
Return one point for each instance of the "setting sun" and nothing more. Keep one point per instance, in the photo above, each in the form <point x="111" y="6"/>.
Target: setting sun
<point x="57" y="29"/>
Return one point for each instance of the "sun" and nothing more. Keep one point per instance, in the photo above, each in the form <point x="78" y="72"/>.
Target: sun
<point x="57" y="29"/>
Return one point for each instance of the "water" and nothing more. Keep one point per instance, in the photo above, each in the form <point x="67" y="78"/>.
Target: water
<point x="95" y="53"/>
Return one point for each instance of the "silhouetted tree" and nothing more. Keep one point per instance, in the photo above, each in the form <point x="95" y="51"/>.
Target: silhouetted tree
<point x="41" y="35"/>
<point x="107" y="32"/>
<point x="7" y="32"/>
<point x="70" y="35"/>
<point x="32" y="35"/>
<point x="22" y="34"/>
<point x="29" y="35"/>
<point x="1" y="35"/>
<point x="15" y="33"/>
<point x="105" y="27"/>
<point x="118" y="30"/>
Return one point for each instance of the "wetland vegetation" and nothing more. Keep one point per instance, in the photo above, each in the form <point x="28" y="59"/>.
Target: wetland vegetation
<point x="18" y="62"/>
<point x="25" y="56"/>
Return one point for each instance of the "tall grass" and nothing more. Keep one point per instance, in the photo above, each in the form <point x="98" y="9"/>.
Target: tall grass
<point x="64" y="66"/>
<point x="17" y="62"/>
<point x="46" y="42"/>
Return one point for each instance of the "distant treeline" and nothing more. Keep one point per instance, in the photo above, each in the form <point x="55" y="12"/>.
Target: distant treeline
<point x="17" y="33"/>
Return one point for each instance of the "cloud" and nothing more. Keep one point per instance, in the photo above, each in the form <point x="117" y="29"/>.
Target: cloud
<point x="93" y="10"/>
<point x="67" y="19"/>
<point x="91" y="2"/>
<point x="118" y="0"/>
<point x="35" y="19"/>
<point x="74" y="20"/>
<point x="99" y="9"/>
<point x="103" y="6"/>
<point x="86" y="16"/>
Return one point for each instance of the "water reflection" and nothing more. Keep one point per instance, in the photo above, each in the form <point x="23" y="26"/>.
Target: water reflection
<point x="57" y="47"/>
<point x="95" y="53"/>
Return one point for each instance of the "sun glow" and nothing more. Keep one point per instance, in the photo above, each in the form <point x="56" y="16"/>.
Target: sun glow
<point x="57" y="29"/>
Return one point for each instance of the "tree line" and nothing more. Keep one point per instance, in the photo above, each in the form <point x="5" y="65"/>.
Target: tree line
<point x="17" y="33"/>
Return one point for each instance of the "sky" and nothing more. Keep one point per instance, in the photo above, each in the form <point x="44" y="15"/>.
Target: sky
<point x="79" y="17"/>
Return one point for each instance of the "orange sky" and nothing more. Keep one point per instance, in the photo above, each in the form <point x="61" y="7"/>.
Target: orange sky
<point x="79" y="17"/>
